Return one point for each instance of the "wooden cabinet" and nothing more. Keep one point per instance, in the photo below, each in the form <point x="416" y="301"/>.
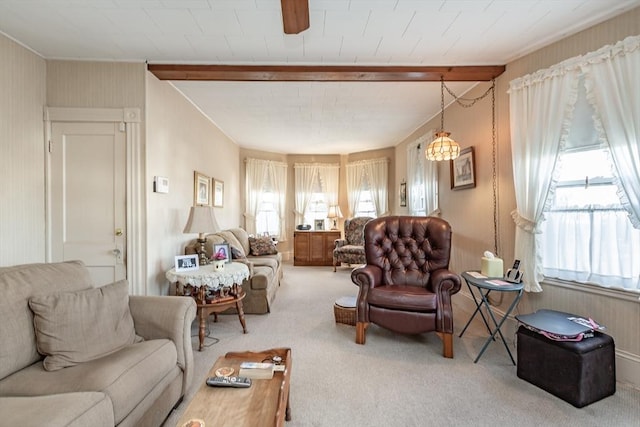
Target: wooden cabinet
<point x="314" y="247"/>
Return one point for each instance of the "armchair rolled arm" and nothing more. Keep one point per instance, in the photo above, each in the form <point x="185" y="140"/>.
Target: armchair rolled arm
<point x="338" y="243"/>
<point x="444" y="283"/>
<point x="167" y="317"/>
<point x="366" y="277"/>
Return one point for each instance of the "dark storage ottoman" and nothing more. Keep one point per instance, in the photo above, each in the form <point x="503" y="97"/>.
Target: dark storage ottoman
<point x="579" y="372"/>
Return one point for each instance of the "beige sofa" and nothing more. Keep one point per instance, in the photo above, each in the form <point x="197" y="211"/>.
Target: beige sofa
<point x="76" y="355"/>
<point x="265" y="271"/>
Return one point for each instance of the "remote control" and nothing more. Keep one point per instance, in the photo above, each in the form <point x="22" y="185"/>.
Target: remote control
<point x="238" y="382"/>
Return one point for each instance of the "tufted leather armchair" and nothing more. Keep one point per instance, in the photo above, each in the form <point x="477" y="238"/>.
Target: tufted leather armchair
<point x="350" y="250"/>
<point x="406" y="285"/>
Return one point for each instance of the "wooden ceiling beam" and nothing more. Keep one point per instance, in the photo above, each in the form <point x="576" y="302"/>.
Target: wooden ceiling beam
<point x="324" y="73"/>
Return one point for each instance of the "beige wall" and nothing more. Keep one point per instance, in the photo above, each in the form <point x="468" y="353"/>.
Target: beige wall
<point x="22" y="196"/>
<point x="180" y="140"/>
<point x="470" y="211"/>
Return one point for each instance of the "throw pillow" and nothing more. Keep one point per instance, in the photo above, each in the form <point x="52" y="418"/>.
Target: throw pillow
<point x="75" y="327"/>
<point x="262" y="246"/>
<point x="237" y="253"/>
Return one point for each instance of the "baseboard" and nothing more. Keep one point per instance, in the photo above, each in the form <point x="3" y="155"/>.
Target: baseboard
<point x="627" y="364"/>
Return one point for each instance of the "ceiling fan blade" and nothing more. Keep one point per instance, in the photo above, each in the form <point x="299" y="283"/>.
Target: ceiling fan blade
<point x="295" y="15"/>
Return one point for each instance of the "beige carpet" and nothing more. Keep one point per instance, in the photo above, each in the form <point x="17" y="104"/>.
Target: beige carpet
<point x="393" y="380"/>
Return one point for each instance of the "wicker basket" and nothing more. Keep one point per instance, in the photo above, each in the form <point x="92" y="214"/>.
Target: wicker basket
<point x="345" y="311"/>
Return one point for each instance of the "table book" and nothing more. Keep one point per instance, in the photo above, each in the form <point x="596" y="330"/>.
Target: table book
<point x="256" y="370"/>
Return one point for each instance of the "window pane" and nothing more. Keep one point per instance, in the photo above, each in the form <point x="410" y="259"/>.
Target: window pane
<point x="267" y="222"/>
<point x="365" y="206"/>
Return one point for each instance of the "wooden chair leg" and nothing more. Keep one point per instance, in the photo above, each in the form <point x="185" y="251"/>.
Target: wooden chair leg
<point x="361" y="329"/>
<point x="447" y="344"/>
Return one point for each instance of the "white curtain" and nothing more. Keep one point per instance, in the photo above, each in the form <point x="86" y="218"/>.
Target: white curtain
<point x="329" y="179"/>
<point x="355" y="176"/>
<point x="540" y="109"/>
<point x="255" y="177"/>
<point x="305" y="176"/>
<point x="422" y="179"/>
<point x="377" y="171"/>
<point x="612" y="77"/>
<point x="278" y="173"/>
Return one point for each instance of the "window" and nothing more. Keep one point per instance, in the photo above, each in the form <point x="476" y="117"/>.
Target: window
<point x="587" y="235"/>
<point x="317" y="207"/>
<point x="267" y="219"/>
<point x="365" y="206"/>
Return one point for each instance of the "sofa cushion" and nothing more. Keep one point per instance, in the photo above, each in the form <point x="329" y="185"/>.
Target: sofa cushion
<point x="243" y="237"/>
<point x="236" y="253"/>
<point x="231" y="239"/>
<point x="262" y="246"/>
<point x="75" y="327"/>
<point x="126" y="376"/>
<point x="67" y="409"/>
<point x="17" y="285"/>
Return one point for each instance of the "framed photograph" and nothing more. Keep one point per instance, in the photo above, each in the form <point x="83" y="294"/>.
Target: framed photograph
<point x="221" y="251"/>
<point x="218" y="193"/>
<point x="463" y="170"/>
<point x="403" y="194"/>
<point x="318" y="224"/>
<point x="201" y="189"/>
<point x="187" y="262"/>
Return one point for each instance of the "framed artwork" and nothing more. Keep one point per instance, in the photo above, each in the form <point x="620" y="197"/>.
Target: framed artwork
<point x="318" y="224"/>
<point x="201" y="189"/>
<point x="218" y="193"/>
<point x="187" y="262"/>
<point x="221" y="251"/>
<point x="463" y="170"/>
<point x="403" y="194"/>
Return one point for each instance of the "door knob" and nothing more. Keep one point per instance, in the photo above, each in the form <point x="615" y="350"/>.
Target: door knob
<point x="118" y="231"/>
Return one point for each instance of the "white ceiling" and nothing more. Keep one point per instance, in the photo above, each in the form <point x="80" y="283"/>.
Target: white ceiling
<point x="305" y="117"/>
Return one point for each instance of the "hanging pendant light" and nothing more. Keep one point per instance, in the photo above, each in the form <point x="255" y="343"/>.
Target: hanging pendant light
<point x="443" y="147"/>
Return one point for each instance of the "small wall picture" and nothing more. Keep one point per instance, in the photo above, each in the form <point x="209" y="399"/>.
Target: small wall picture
<point x="463" y="170"/>
<point x="221" y="252"/>
<point x="218" y="193"/>
<point x="187" y="262"/>
<point x="201" y="189"/>
<point x="318" y="224"/>
<point x="403" y="194"/>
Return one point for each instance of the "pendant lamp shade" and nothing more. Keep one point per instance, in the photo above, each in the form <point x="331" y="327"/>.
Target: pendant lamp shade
<point x="442" y="148"/>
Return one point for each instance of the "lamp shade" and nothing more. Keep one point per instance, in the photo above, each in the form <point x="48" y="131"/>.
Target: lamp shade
<point x="334" y="212"/>
<point x="442" y="148"/>
<point x="201" y="220"/>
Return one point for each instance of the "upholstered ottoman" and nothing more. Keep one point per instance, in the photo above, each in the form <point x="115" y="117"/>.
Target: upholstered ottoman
<point x="344" y="310"/>
<point x="579" y="372"/>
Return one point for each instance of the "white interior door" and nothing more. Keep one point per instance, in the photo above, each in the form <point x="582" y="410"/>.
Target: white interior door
<point x="88" y="197"/>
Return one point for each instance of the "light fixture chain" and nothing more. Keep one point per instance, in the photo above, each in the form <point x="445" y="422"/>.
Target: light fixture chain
<point x="441" y="103"/>
<point x="466" y="102"/>
<point x="494" y="165"/>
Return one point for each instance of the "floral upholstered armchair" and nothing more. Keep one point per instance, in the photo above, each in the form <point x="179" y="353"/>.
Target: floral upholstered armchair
<point x="350" y="250"/>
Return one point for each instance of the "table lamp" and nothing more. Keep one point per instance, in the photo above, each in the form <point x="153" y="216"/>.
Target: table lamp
<point x="334" y="213"/>
<point x="201" y="220"/>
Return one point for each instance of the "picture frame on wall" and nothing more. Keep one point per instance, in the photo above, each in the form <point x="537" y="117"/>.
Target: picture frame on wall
<point x="463" y="170"/>
<point x="218" y="193"/>
<point x="201" y="189"/>
<point x="318" y="224"/>
<point x="403" y="194"/>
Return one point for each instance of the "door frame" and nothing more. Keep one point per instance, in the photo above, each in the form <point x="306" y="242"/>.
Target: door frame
<point x="129" y="119"/>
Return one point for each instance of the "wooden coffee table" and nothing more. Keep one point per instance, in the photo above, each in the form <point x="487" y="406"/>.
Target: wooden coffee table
<point x="265" y="403"/>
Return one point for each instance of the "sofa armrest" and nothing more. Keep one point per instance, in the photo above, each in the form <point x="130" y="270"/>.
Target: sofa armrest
<point x="444" y="283"/>
<point x="338" y="243"/>
<point x="168" y="317"/>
